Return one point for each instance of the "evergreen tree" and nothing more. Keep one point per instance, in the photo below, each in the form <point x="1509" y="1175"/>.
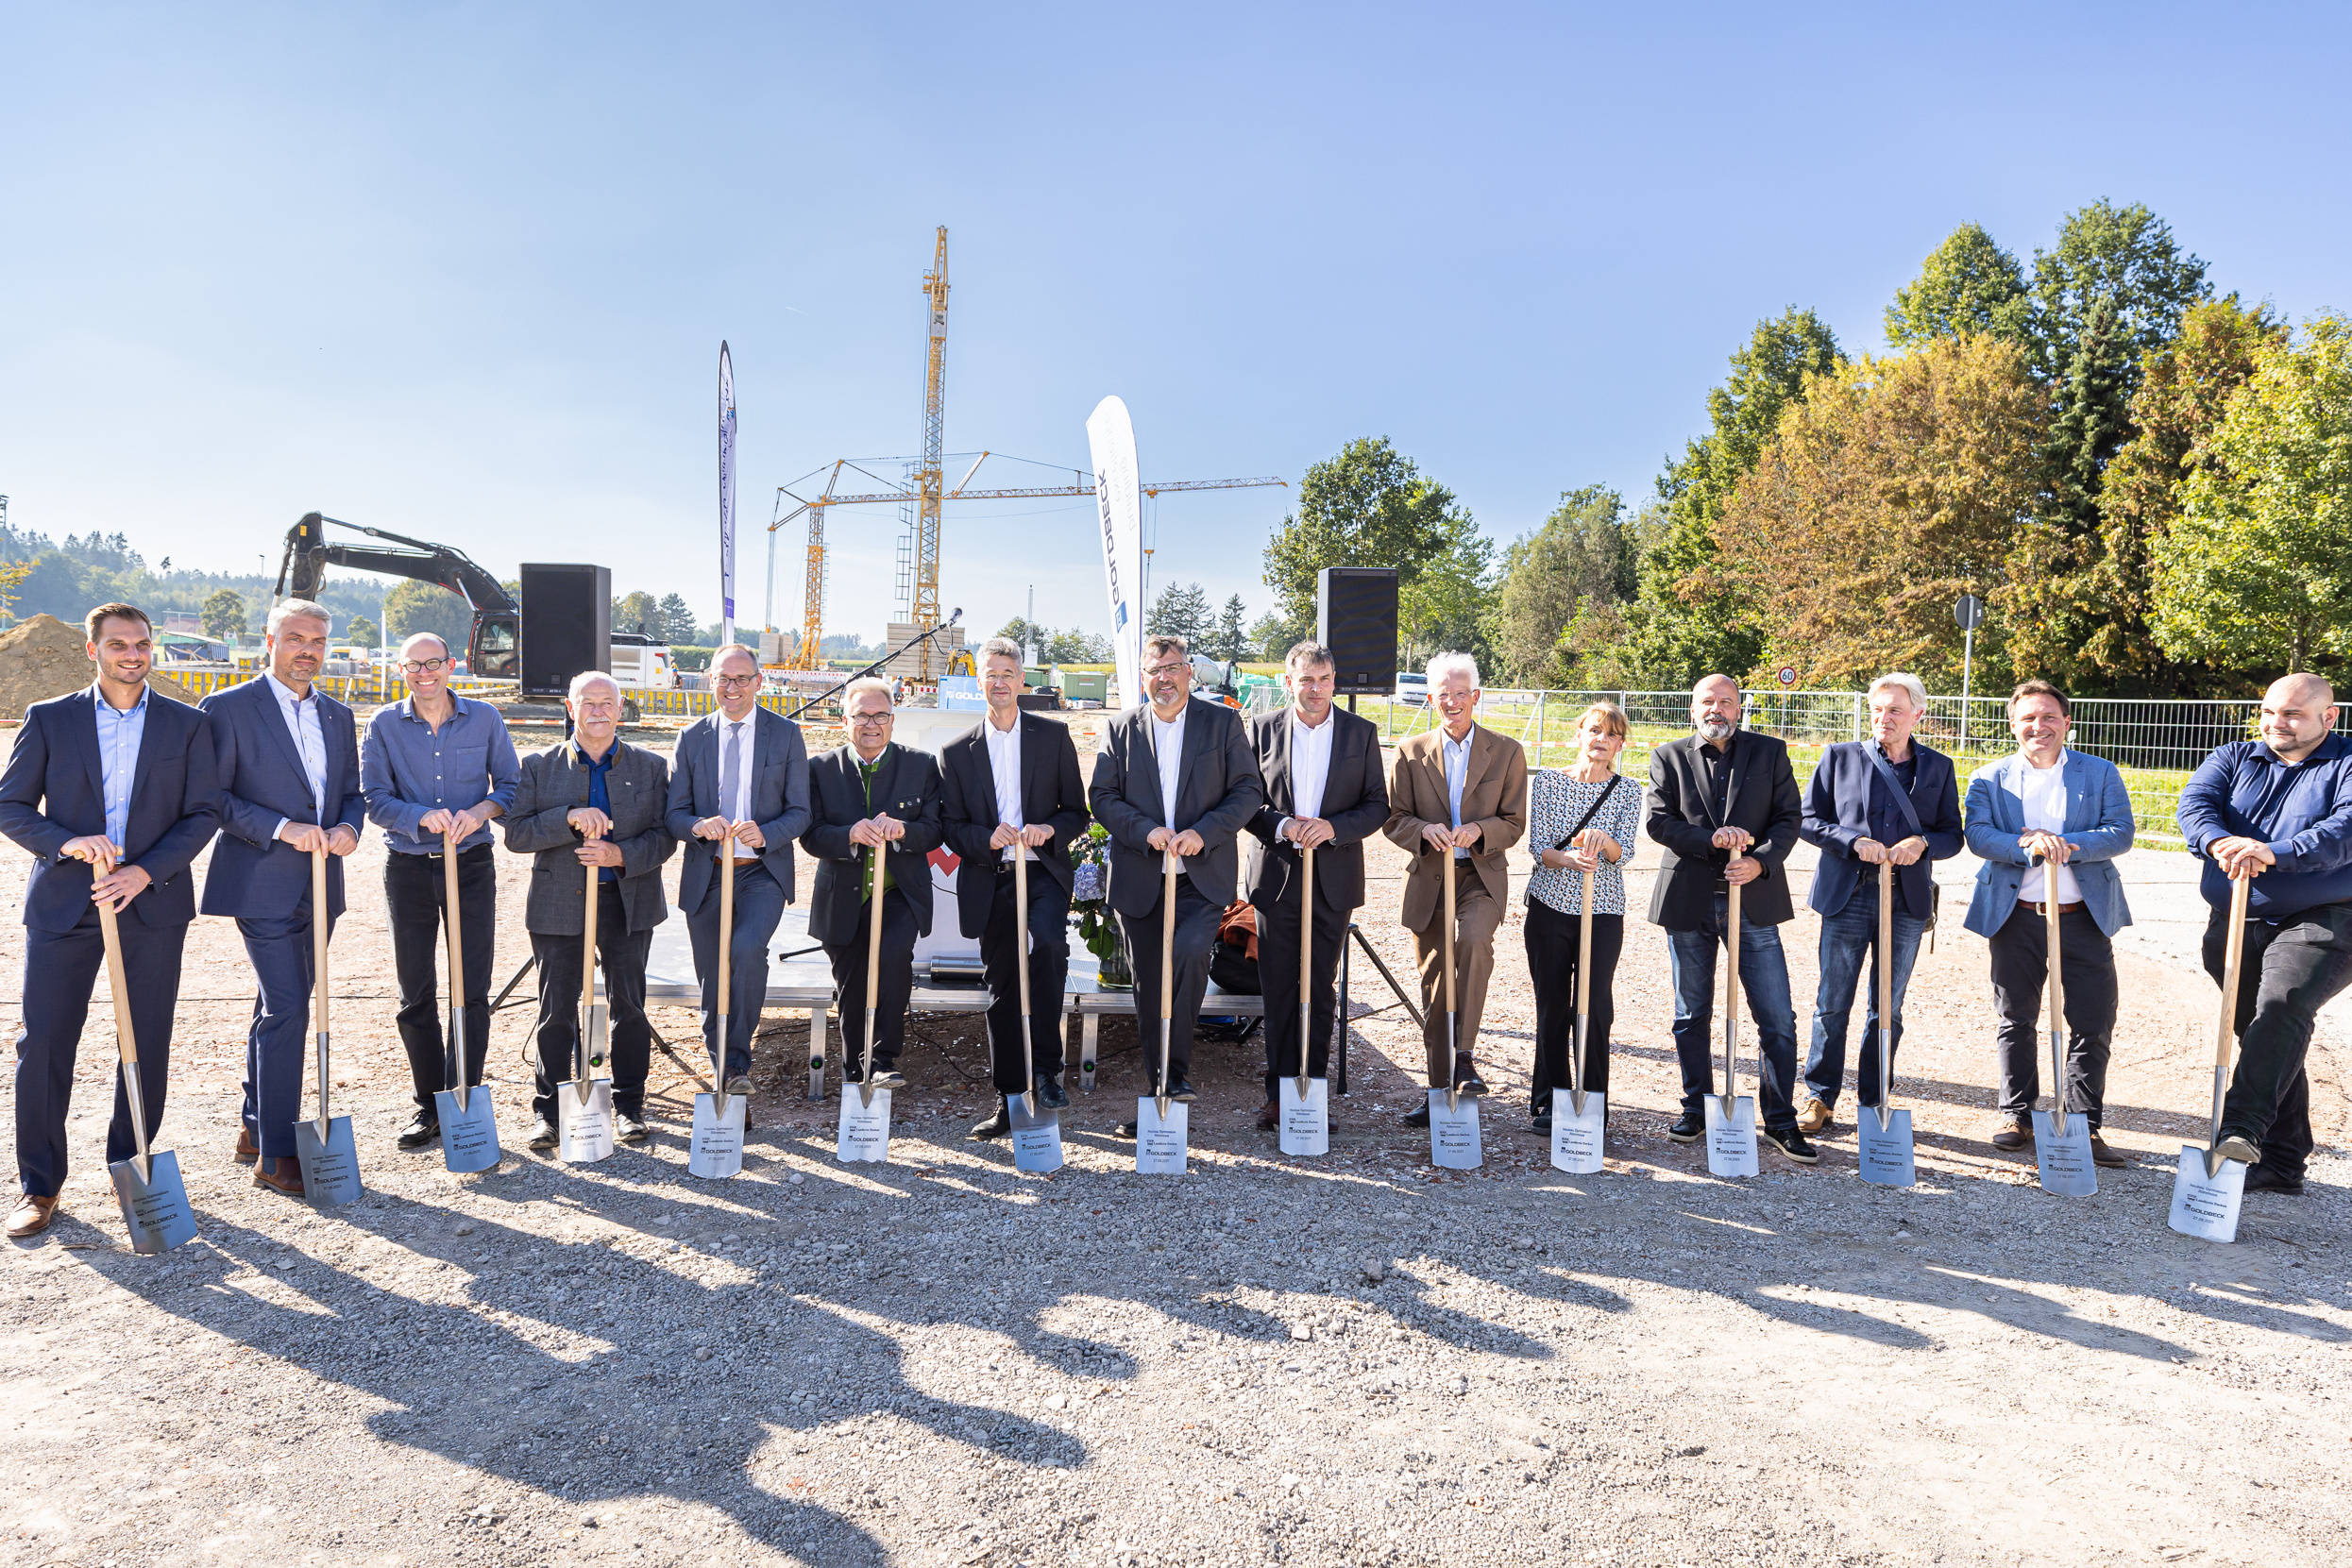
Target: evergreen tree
<point x="1230" y="640"/>
<point x="1181" y="611"/>
<point x="677" y="620"/>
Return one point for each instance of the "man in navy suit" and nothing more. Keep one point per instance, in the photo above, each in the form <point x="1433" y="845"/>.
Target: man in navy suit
<point x="742" y="771"/>
<point x="289" y="760"/>
<point x="110" y="790"/>
<point x="1887" y="806"/>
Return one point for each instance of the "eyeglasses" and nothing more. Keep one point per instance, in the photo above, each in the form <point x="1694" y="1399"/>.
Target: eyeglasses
<point x="731" y="682"/>
<point x="422" y="666"/>
<point x="1166" y="668"/>
<point x="870" y="719"/>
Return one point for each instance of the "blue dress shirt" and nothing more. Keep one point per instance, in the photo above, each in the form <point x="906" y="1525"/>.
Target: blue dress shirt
<point x="408" y="768"/>
<point x="2301" y="811"/>
<point x="119" y="734"/>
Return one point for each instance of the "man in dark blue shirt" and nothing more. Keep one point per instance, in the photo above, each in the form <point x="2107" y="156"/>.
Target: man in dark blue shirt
<point x="2278" y="810"/>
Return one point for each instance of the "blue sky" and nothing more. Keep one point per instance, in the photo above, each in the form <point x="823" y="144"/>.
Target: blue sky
<point x="462" y="271"/>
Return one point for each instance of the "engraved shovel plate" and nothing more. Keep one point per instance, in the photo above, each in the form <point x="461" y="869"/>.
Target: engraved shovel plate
<point x="1576" y="1141"/>
<point x="715" y="1148"/>
<point x="862" y="1134"/>
<point x="1305" y="1122"/>
<point x="583" y="1112"/>
<point x="1454" y="1133"/>
<point x="469" y="1136"/>
<point x="155" y="1207"/>
<point x="1163" y="1146"/>
<point x="1883" y="1148"/>
<point x="2063" y="1157"/>
<point x="1732" y="1140"/>
<point x="2204" y="1201"/>
<point x="330" y="1166"/>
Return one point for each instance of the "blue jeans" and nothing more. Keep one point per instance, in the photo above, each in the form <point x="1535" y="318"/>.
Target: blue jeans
<point x="1764" y="978"/>
<point x="1850" y="953"/>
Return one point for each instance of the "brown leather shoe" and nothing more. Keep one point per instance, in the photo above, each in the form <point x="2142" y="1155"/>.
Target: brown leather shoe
<point x="2101" y="1155"/>
<point x="1813" y="1117"/>
<point x="245" y="1152"/>
<point x="2011" y="1131"/>
<point x="31" y="1216"/>
<point x="287" y="1178"/>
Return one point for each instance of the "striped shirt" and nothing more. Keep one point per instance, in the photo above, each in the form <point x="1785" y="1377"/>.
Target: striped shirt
<point x="1556" y="802"/>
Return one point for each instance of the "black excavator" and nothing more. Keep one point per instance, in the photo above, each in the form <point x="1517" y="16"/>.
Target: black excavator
<point x="493" y="649"/>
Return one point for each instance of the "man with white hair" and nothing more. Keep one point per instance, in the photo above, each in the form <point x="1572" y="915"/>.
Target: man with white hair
<point x="2278" y="810"/>
<point x="592" y="802"/>
<point x="437" y="767"/>
<point x="1886" y="806"/>
<point x="288" y="761"/>
<point x="872" y="797"/>
<point x="1459" y="790"/>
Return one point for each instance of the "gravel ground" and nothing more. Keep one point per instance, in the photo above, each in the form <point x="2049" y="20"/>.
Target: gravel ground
<point x="1356" y="1359"/>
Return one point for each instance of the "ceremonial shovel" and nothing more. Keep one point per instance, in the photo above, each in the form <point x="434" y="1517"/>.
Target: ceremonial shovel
<point x="1306" y="1103"/>
<point x="2061" y="1138"/>
<point x="863" y="1132"/>
<point x="1037" y="1131"/>
<point x="2209" y="1189"/>
<point x="1577" y="1116"/>
<point x="715" y="1149"/>
<point x="1453" y="1126"/>
<point x="1883" y="1136"/>
<point x="584" y="1108"/>
<point x="470" y="1131"/>
<point x="330" y="1161"/>
<point x="1163" y="1127"/>
<point x="1731" y="1116"/>
<point x="154" y="1201"/>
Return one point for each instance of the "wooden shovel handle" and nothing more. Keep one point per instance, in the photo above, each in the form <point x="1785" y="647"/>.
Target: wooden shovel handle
<point x="726" y="932"/>
<point x="318" y="940"/>
<point x="449" y="926"/>
<point x="1021" y="947"/>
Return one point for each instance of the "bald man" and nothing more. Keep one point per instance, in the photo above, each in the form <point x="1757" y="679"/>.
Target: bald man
<point x="2278" y="810"/>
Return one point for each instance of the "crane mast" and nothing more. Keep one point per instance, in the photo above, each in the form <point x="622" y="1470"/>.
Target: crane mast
<point x="925" y="609"/>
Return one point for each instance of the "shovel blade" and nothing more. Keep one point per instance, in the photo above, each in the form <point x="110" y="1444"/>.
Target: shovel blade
<point x="583" y="1111"/>
<point x="1576" y="1139"/>
<point x="1161" y="1143"/>
<point x="2204" y="1201"/>
<point x="155" y="1207"/>
<point x="1305" y="1119"/>
<point x="863" y="1133"/>
<point x="1036" y="1135"/>
<point x="1455" y="1131"/>
<point x="715" y="1149"/>
<point x="600" y="1040"/>
<point x="1883" y="1147"/>
<point x="2062" y="1154"/>
<point x="331" y="1165"/>
<point x="469" y="1135"/>
<point x="1731" y="1138"/>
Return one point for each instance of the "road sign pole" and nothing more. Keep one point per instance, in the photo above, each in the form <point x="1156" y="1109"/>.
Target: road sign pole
<point x="1968" y="666"/>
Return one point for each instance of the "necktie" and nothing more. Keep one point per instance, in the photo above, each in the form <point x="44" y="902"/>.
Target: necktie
<point x="731" y="771"/>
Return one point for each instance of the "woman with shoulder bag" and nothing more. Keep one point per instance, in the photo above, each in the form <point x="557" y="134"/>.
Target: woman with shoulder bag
<point x="1586" y="817"/>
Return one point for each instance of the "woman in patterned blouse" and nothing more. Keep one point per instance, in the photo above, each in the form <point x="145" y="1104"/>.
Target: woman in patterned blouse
<point x="1557" y="800"/>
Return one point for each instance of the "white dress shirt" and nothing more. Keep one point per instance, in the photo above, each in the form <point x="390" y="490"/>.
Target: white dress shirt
<point x="1311" y="765"/>
<point x="739" y="808"/>
<point x="2044" y="790"/>
<point x="1005" y="770"/>
<point x="1457" y="756"/>
<point x="1168" y="750"/>
<point x="310" y="740"/>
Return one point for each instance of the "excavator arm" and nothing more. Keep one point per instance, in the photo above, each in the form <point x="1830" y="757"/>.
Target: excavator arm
<point x="491" y="650"/>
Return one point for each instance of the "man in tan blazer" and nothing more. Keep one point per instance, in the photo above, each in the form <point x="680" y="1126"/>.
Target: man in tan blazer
<point x="1459" y="790"/>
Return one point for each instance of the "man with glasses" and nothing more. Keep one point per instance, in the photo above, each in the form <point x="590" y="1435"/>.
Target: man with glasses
<point x="871" y="795"/>
<point x="738" y="786"/>
<point x="432" y="764"/>
<point x="1175" y="776"/>
<point x="1014" y="780"/>
<point x="592" y="802"/>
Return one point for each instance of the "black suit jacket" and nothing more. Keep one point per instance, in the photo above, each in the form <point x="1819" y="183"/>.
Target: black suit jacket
<point x="907" y="788"/>
<point x="1217" y="790"/>
<point x="54" y="791"/>
<point x="1761" y="796"/>
<point x="1355" y="803"/>
<point x="1050" y="797"/>
<point x="260" y="772"/>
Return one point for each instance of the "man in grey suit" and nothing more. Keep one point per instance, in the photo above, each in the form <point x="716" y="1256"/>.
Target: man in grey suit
<point x="593" y="801"/>
<point x="741" y="771"/>
<point x="2072" y="811"/>
<point x="1175" y="775"/>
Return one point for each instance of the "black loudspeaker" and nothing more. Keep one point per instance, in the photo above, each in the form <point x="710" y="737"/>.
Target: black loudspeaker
<point x="567" y="624"/>
<point x="1356" y="618"/>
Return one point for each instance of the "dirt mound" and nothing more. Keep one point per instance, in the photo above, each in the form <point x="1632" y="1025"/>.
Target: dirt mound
<point x="44" y="658"/>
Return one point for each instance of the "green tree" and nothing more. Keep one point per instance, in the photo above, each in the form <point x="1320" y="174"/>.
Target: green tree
<point x="362" y="632"/>
<point x="1443" y="609"/>
<point x="1182" y="611"/>
<point x="2128" y="256"/>
<point x="1967" y="284"/>
<point x="1077" y="647"/>
<point x="413" y="607"/>
<point x="677" y="621"/>
<point x="2090" y="420"/>
<point x="2258" y="567"/>
<point x="222" y="615"/>
<point x="1272" y="635"/>
<point x="1027" y="634"/>
<point x="1230" y="638"/>
<point x="639" y="612"/>
<point x="1582" y="554"/>
<point x="1369" y="505"/>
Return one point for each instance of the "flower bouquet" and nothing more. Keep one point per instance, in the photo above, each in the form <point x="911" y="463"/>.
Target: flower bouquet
<point x="1088" y="908"/>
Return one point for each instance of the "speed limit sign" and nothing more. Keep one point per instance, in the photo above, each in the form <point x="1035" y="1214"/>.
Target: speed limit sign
<point x="1789" y="675"/>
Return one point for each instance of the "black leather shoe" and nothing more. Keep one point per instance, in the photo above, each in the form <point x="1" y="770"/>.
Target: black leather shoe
<point x="630" y="1127"/>
<point x="421" y="1130"/>
<point x="1182" y="1093"/>
<point x="1050" y="1095"/>
<point x="1466" y="1079"/>
<point x="1418" y="1116"/>
<point x="1125" y="1129"/>
<point x="1689" y="1127"/>
<point x="2269" y="1178"/>
<point x="1791" y="1142"/>
<point x="1269" y="1116"/>
<point x="1540" y="1122"/>
<point x="543" y="1135"/>
<point x="998" y="1125"/>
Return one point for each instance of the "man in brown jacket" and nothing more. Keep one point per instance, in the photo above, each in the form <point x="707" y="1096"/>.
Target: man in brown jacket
<point x="1459" y="790"/>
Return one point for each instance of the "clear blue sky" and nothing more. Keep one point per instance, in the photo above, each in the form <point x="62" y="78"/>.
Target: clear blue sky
<point x="463" y="271"/>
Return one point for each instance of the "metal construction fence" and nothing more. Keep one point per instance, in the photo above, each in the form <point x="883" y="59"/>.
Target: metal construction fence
<point x="2156" y="743"/>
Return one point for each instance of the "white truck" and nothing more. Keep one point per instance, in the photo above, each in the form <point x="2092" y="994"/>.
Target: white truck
<point x="642" y="663"/>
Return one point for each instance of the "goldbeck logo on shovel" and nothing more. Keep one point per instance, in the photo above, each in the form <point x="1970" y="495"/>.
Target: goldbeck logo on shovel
<point x="715" y="1147"/>
<point x="2061" y="1138"/>
<point x="862" y="1134"/>
<point x="469" y="1130"/>
<point x="154" y="1199"/>
<point x="1303" y="1105"/>
<point x="1036" y="1130"/>
<point x="1731" y="1116"/>
<point x="1882" y="1135"/>
<point x="584" y="1108"/>
<point x="1579" y="1115"/>
<point x="2208" y="1190"/>
<point x="330" y="1159"/>
<point x="1163" y="1127"/>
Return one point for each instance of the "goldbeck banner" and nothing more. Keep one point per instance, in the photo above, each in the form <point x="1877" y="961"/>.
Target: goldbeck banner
<point x="726" y="496"/>
<point x="1119" y="502"/>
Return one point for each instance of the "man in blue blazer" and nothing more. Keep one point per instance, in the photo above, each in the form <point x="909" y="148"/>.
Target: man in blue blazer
<point x="111" y="790"/>
<point x="742" y="769"/>
<point x="289" y="760"/>
<point x="2072" y="811"/>
<point x="1873" y="804"/>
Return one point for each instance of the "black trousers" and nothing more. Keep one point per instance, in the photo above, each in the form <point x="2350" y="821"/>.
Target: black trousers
<point x="1196" y="933"/>
<point x="2290" y="972"/>
<point x="897" y="985"/>
<point x="1551" y="953"/>
<point x="758" y="908"/>
<point x="1046" y="938"/>
<point x="60" y="970"/>
<point x="415" y="894"/>
<point x="1277" y="978"/>
<point x="620" y="959"/>
<point x="2020" y="967"/>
